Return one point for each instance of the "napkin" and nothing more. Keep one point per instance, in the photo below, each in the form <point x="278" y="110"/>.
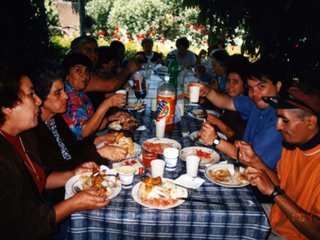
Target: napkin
<point x="108" y="170"/>
<point x="141" y="128"/>
<point x="157" y="66"/>
<point x="140" y="110"/>
<point x="189" y="182"/>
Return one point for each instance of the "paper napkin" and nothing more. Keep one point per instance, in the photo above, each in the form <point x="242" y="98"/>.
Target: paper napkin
<point x="189" y="182"/>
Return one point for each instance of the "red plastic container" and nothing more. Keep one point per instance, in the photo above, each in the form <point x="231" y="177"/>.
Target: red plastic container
<point x="147" y="157"/>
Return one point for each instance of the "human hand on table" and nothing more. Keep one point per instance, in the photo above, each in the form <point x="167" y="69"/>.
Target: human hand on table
<point x="115" y="100"/>
<point x="208" y="133"/>
<point x="113" y="153"/>
<point x="85" y="167"/>
<point x="259" y="178"/>
<point x="87" y="200"/>
<point x="119" y="115"/>
<point x="247" y="155"/>
<point x="204" y="89"/>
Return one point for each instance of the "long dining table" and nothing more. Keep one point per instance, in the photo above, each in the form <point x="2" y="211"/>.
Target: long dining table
<point x="124" y="218"/>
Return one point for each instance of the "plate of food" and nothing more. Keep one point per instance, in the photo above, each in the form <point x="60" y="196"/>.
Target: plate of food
<point x="198" y="113"/>
<point x="134" y="106"/>
<point x="195" y="136"/>
<point x="223" y="175"/>
<point x="158" y="145"/>
<point x="122" y="141"/>
<point x="206" y="155"/>
<point x="130" y="162"/>
<point x="126" y="124"/>
<point x="158" y="193"/>
<point x="105" y="184"/>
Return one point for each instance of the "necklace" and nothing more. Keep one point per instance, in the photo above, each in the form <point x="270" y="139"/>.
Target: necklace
<point x="32" y="167"/>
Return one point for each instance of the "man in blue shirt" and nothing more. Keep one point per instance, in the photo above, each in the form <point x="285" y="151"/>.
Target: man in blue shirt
<point x="260" y="131"/>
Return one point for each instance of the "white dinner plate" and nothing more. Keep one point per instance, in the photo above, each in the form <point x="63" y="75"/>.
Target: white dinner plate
<point x="193" y="151"/>
<point x="171" y="142"/>
<point x="136" y="197"/>
<point x="74" y="181"/>
<point x="196" y="134"/>
<point x="230" y="167"/>
<point x="135" y="153"/>
<point x="198" y="114"/>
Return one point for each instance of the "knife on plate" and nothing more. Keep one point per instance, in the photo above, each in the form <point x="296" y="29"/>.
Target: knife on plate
<point x="203" y="201"/>
<point x="237" y="163"/>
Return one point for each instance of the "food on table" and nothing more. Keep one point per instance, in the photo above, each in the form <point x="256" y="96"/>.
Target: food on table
<point x="197" y="113"/>
<point x="135" y="106"/>
<point x="124" y="124"/>
<point x="203" y="155"/>
<point x="156" y="193"/>
<point x="222" y="175"/>
<point x="156" y="147"/>
<point x="139" y="169"/>
<point x="198" y="138"/>
<point x="122" y="141"/>
<point x="240" y="177"/>
<point x="100" y="182"/>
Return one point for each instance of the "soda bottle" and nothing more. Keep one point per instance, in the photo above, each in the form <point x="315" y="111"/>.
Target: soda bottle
<point x="173" y="73"/>
<point x="166" y="103"/>
<point x="139" y="84"/>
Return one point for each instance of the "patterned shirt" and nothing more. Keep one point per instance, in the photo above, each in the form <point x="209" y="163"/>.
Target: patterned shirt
<point x="53" y="128"/>
<point x="79" y="109"/>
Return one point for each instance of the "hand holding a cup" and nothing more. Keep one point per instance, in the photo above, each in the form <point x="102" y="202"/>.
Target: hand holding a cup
<point x="204" y="89"/>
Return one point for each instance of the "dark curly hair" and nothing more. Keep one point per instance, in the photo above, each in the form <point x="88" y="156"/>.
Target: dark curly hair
<point x="10" y="91"/>
<point x="74" y="59"/>
<point x="182" y="42"/>
<point x="44" y="75"/>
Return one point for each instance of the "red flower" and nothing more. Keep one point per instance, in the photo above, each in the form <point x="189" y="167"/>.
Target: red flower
<point x="232" y="48"/>
<point x="104" y="38"/>
<point x="149" y="32"/>
<point x="103" y="32"/>
<point x="128" y="36"/>
<point x="129" y="39"/>
<point x="188" y="25"/>
<point x="119" y="38"/>
<point x="98" y="33"/>
<point x="196" y="28"/>
<point x="201" y="27"/>
<point x="143" y="36"/>
<point x="296" y="45"/>
<point x="115" y="36"/>
<point x="116" y="28"/>
<point x="204" y="41"/>
<point x="162" y="41"/>
<point x="154" y="27"/>
<point x="132" y="41"/>
<point x="153" y="34"/>
<point x="137" y="35"/>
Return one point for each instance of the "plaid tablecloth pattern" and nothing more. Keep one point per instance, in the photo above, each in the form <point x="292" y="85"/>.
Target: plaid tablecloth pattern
<point x="125" y="219"/>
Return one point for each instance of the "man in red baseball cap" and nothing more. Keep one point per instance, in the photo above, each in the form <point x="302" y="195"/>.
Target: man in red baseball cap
<point x="295" y="188"/>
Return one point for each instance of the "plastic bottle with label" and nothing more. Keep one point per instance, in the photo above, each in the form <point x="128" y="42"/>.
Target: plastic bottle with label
<point x="173" y="73"/>
<point x="166" y="96"/>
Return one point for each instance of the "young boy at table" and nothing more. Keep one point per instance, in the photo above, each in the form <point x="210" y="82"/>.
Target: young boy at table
<point x="295" y="188"/>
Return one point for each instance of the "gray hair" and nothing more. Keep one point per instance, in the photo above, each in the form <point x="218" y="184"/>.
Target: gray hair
<point x="219" y="55"/>
<point x="77" y="43"/>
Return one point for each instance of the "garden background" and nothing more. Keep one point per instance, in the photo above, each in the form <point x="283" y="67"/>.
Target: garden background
<point x="285" y="30"/>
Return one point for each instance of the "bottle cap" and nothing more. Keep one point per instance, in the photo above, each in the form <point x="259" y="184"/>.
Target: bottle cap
<point x="166" y="78"/>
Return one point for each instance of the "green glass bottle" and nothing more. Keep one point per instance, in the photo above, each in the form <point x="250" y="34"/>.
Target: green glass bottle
<point x="173" y="73"/>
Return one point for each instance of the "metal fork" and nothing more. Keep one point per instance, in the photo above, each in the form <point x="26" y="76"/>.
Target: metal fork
<point x="237" y="163"/>
<point x="205" y="114"/>
<point x="191" y="190"/>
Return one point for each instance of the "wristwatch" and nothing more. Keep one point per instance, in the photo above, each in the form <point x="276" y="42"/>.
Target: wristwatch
<point x="277" y="191"/>
<point x="216" y="141"/>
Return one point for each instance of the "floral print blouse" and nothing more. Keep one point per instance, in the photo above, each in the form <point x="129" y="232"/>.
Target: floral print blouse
<point x="79" y="109"/>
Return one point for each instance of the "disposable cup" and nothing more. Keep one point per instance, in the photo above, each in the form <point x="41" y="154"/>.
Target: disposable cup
<point x="157" y="168"/>
<point x="147" y="157"/>
<point x="192" y="165"/>
<point x="181" y="79"/>
<point x="160" y="129"/>
<point x="126" y="174"/>
<point x="122" y="92"/>
<point x="171" y="158"/>
<point x="145" y="65"/>
<point x="180" y="104"/>
<point x="154" y="105"/>
<point x="153" y="65"/>
<point x="194" y="94"/>
<point x="148" y="74"/>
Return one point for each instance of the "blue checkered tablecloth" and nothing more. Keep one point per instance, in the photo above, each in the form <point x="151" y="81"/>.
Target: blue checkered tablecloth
<point x="125" y="219"/>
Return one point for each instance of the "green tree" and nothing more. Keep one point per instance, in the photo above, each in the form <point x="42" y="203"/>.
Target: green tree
<point x="285" y="30"/>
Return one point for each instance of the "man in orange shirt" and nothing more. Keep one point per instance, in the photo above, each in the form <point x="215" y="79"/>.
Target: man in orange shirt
<point x="295" y="189"/>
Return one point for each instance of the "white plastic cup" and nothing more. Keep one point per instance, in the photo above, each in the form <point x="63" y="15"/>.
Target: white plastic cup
<point x="153" y="64"/>
<point x="160" y="128"/>
<point x="157" y="168"/>
<point x="154" y="105"/>
<point x="171" y="158"/>
<point x="194" y="94"/>
<point x="181" y="79"/>
<point x="122" y="92"/>
<point x="146" y="66"/>
<point x="148" y="74"/>
<point x="192" y="165"/>
<point x="180" y="104"/>
<point x="126" y="174"/>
